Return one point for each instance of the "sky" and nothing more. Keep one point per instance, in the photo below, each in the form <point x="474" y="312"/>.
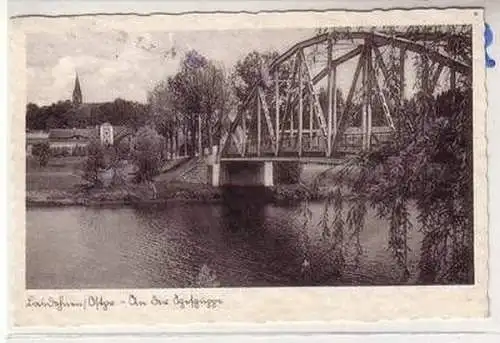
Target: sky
<point x="127" y="65"/>
<point x="117" y="64"/>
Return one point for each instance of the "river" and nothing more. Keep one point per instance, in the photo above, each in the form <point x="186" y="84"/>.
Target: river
<point x="245" y="243"/>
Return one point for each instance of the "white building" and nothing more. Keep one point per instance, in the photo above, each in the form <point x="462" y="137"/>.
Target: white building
<point x="106" y="134"/>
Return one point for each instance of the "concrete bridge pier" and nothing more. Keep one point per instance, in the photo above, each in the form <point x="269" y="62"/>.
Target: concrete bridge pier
<point x="214" y="174"/>
<point x="268" y="171"/>
<point x="241" y="174"/>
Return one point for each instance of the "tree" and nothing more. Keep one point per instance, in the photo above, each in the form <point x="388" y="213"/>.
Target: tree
<point x="147" y="151"/>
<point x="200" y="93"/>
<point x="138" y="115"/>
<point x="33" y="117"/>
<point x="120" y="112"/>
<point x="428" y="165"/>
<point x="164" y="114"/>
<point x="94" y="163"/>
<point x="253" y="70"/>
<point x="217" y="101"/>
<point x="47" y="117"/>
<point x="185" y="87"/>
<point x="248" y="72"/>
<point x="57" y="115"/>
<point x="42" y="152"/>
<point x="62" y="115"/>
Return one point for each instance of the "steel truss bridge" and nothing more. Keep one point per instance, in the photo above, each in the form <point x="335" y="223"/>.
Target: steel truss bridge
<point x="283" y="118"/>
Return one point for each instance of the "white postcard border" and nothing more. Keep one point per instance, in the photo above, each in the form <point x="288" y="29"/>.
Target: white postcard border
<point x="255" y="305"/>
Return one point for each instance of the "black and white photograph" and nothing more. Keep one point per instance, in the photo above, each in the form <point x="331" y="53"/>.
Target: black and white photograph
<point x="299" y="157"/>
<point x="322" y="156"/>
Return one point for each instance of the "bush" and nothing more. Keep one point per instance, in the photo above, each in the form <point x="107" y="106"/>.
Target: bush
<point x="79" y="150"/>
<point x="147" y="153"/>
<point x="287" y="172"/>
<point x="42" y="152"/>
<point x="60" y="151"/>
<point x="123" y="149"/>
<point x="94" y="163"/>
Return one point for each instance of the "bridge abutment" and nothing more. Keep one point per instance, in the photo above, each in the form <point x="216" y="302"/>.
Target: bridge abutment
<point x="242" y="174"/>
<point x="214" y="174"/>
<point x="268" y="174"/>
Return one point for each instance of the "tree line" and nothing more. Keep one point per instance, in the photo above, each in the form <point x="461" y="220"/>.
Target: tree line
<point x="197" y="102"/>
<point x="63" y="114"/>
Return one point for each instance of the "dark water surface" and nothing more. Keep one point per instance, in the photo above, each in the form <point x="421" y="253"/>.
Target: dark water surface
<point x="244" y="242"/>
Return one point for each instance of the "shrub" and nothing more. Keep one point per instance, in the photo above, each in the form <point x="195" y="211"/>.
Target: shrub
<point x="60" y="151"/>
<point x="147" y="147"/>
<point x="123" y="149"/>
<point x="42" y="152"/>
<point x="79" y="150"/>
<point x="287" y="172"/>
<point x="95" y="161"/>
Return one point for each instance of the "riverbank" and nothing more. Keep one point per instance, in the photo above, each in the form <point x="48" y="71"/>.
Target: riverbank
<point x="118" y="195"/>
<point x="166" y="192"/>
<point x="60" y="184"/>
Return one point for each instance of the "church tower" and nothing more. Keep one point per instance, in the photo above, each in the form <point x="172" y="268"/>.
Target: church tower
<point x="77" y="93"/>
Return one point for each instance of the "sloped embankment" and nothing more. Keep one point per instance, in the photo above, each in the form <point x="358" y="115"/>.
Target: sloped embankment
<point x="186" y="179"/>
<point x="192" y="170"/>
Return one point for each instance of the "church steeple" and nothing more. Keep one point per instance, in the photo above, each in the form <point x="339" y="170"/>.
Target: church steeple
<point x="77" y="93"/>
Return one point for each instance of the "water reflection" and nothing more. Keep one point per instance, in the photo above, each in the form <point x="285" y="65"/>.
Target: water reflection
<point x="242" y="242"/>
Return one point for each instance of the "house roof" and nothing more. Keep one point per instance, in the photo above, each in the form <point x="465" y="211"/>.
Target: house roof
<point x="72" y="133"/>
<point x="37" y="135"/>
<point x="88" y="133"/>
<point x="119" y="131"/>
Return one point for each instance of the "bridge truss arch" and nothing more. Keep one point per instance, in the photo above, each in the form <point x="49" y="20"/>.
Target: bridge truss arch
<point x="283" y="114"/>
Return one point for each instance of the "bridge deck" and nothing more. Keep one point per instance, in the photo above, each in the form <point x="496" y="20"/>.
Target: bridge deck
<point x="272" y="158"/>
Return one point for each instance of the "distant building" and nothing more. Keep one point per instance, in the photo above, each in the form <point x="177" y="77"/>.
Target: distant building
<point x="77" y="93"/>
<point x="106" y="134"/>
<point x="81" y="109"/>
<point x="72" y="139"/>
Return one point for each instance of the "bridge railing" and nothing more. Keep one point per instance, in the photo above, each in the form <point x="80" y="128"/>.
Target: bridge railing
<point x="312" y="144"/>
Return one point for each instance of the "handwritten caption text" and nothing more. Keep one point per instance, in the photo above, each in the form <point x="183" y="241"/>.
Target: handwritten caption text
<point x="102" y="303"/>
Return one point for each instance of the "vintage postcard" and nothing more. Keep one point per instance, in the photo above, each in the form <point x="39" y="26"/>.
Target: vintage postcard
<point x="248" y="168"/>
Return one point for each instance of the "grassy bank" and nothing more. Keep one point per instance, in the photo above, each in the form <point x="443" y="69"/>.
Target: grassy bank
<point x="60" y="184"/>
